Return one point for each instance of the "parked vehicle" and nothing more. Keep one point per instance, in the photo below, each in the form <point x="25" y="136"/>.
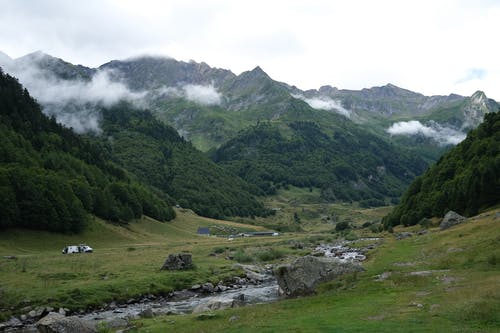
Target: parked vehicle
<point x="82" y="248"/>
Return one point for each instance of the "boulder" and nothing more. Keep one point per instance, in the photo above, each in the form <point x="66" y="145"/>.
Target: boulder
<point x="57" y="323"/>
<point x="178" y="261"/>
<point x="303" y="275"/>
<point x="403" y="235"/>
<point x="217" y="303"/>
<point x="450" y="219"/>
<point x="207" y="288"/>
<point x="147" y="313"/>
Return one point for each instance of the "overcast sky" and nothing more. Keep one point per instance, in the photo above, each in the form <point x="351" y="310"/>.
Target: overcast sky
<point x="433" y="47"/>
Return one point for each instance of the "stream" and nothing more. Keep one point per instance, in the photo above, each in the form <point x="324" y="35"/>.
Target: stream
<point x="184" y="302"/>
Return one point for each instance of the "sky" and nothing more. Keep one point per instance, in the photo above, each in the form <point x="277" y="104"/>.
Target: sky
<point x="432" y="47"/>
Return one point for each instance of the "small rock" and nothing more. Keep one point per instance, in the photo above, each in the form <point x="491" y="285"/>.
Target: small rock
<point x="10" y="257"/>
<point x="422" y="232"/>
<point x="206" y="316"/>
<point x="234" y="318"/>
<point x="195" y="287"/>
<point x="178" y="261"/>
<point x="27" y="309"/>
<point x="384" y="276"/>
<point x="12" y="322"/>
<point x="434" y="307"/>
<point x="418" y="305"/>
<point x="56" y="323"/>
<point x="61" y="311"/>
<point x="36" y="314"/>
<point x="147" y="313"/>
<point x="114" y="323"/>
<point x="207" y="288"/>
<point x="403" y="235"/>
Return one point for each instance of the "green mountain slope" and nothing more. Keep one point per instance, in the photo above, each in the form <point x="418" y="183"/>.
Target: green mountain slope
<point x="51" y="178"/>
<point x="347" y="164"/>
<point x="158" y="156"/>
<point x="466" y="179"/>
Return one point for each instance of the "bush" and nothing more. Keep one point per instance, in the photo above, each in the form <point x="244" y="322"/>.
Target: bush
<point x="270" y="254"/>
<point x="425" y="223"/>
<point x="351" y="236"/>
<point x="344" y="225"/>
<point x="241" y="256"/>
<point x="219" y="250"/>
<point x="375" y="228"/>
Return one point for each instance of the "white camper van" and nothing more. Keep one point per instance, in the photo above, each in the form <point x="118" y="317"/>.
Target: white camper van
<point x="82" y="248"/>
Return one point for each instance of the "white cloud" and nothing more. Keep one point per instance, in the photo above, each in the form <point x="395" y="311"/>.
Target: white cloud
<point x="308" y="44"/>
<point x="72" y="102"/>
<point x="441" y="134"/>
<point x="325" y="103"/>
<point x="204" y="95"/>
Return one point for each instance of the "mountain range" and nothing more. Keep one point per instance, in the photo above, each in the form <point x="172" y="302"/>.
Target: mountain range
<point x="261" y="134"/>
<point x="209" y="105"/>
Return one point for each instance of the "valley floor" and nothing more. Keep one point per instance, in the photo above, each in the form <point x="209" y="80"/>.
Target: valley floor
<point x="440" y="281"/>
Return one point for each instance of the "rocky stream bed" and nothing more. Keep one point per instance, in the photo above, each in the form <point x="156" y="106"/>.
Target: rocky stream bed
<point x="258" y="286"/>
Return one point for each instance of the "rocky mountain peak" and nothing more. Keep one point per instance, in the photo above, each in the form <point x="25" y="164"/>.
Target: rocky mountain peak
<point x="257" y="72"/>
<point x="479" y="97"/>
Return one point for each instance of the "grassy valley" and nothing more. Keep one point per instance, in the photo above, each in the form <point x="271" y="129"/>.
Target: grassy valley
<point x="440" y="281"/>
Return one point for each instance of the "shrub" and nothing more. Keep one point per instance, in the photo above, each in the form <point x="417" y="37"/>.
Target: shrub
<point x="241" y="256"/>
<point x="342" y="226"/>
<point x="219" y="250"/>
<point x="351" y="236"/>
<point x="270" y="254"/>
<point x="425" y="223"/>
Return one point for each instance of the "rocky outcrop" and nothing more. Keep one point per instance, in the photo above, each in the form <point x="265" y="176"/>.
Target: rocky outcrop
<point x="303" y="275"/>
<point x="57" y="323"/>
<point x="403" y="235"/>
<point x="450" y="219"/>
<point x="178" y="261"/>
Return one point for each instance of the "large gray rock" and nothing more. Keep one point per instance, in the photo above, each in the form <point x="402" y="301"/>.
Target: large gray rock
<point x="303" y="275"/>
<point x="178" y="261"/>
<point x="450" y="219"/>
<point x="57" y="323"/>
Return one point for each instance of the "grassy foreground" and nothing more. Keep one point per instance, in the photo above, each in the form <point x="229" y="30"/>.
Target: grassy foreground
<point x="126" y="262"/>
<point x="442" y="281"/>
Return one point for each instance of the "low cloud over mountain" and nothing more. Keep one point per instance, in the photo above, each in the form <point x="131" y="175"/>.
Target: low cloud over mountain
<point x="441" y="134"/>
<point x="324" y="103"/>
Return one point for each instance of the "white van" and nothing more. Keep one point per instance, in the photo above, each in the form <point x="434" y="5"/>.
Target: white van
<point x="82" y="248"/>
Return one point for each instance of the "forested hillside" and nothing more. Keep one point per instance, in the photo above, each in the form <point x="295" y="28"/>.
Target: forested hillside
<point x="348" y="165"/>
<point x="51" y="178"/>
<point x="158" y="156"/>
<point x="466" y="179"/>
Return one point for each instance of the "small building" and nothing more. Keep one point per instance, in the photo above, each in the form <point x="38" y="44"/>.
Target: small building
<point x="260" y="233"/>
<point x="203" y="231"/>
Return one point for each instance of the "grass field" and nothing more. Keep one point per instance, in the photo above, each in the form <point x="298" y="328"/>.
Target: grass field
<point x="125" y="262"/>
<point x="443" y="281"/>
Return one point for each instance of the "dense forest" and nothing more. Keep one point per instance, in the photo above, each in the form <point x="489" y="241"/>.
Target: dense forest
<point x="347" y="165"/>
<point x="466" y="179"/>
<point x="51" y="178"/>
<point x="158" y="156"/>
